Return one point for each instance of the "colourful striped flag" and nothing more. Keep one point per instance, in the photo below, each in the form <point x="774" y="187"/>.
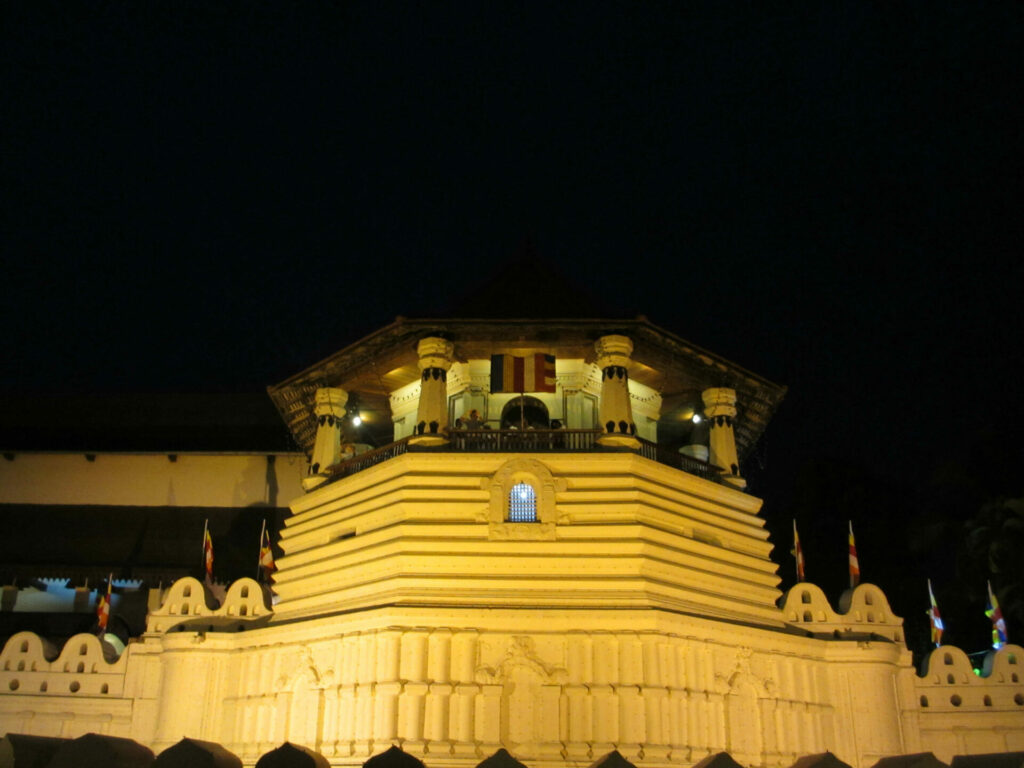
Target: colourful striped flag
<point x="994" y="612"/>
<point x="266" y="553"/>
<point x="934" y="618"/>
<point x="854" y="563"/>
<point x="535" y="373"/>
<point x="798" y="553"/>
<point x="103" y="606"/>
<point x="208" y="553"/>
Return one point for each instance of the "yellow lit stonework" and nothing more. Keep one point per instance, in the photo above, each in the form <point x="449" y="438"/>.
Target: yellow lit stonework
<point x="640" y="612"/>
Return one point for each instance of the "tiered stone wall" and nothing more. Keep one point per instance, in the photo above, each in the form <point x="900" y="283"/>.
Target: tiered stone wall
<point x="626" y="531"/>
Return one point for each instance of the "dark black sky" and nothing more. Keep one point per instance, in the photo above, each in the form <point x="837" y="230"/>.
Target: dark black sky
<point x="211" y="196"/>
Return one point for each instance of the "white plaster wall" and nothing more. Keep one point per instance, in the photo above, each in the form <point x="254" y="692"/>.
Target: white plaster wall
<point x="452" y="685"/>
<point x="469" y="383"/>
<point x="124" y="479"/>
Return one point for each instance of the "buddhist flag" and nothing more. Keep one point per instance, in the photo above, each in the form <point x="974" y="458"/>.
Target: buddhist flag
<point x="798" y="553"/>
<point x="208" y="553"/>
<point x="934" y="618"/>
<point x="266" y="553"/>
<point x="103" y="606"/>
<point x="854" y="563"/>
<point x="994" y="612"/>
<point x="535" y="373"/>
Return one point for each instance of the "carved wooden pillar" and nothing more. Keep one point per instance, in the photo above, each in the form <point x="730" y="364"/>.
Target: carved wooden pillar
<point x="720" y="409"/>
<point x="329" y="411"/>
<point x="616" y="411"/>
<point x="432" y="415"/>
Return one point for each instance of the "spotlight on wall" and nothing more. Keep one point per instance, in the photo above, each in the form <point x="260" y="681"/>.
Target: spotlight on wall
<point x="696" y="418"/>
<point x="357" y="420"/>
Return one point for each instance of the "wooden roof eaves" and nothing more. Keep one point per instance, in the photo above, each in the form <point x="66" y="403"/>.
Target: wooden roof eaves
<point x="758" y="398"/>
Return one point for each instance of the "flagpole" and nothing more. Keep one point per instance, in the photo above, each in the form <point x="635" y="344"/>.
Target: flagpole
<point x="259" y="552"/>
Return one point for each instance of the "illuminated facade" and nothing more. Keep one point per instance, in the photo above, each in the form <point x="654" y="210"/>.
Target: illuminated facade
<point x="560" y="571"/>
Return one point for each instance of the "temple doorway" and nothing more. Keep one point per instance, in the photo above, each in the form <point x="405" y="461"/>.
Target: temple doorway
<point x="525" y="413"/>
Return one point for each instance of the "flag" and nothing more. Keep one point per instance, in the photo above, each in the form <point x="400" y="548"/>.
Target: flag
<point x="798" y="553"/>
<point x="208" y="554"/>
<point x="535" y="373"/>
<point x="994" y="612"/>
<point x="103" y="606"/>
<point x="934" y="618"/>
<point x="266" y="553"/>
<point x="854" y="563"/>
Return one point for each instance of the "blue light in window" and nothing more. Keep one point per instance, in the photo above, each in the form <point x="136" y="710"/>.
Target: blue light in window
<point x="522" y="504"/>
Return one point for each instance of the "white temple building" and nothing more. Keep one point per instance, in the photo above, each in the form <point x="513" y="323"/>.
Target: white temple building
<point x="512" y="534"/>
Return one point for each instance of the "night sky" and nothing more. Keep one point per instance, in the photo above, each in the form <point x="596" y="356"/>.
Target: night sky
<point x="210" y="196"/>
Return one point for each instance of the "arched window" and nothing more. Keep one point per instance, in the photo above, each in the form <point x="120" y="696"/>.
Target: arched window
<point x="528" y="412"/>
<point x="522" y="504"/>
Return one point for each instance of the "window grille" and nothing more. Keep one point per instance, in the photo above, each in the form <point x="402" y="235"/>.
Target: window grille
<point x="522" y="504"/>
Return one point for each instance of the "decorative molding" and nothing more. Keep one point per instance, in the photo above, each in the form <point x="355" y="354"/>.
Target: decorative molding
<point x="536" y="474"/>
<point x="521" y="652"/>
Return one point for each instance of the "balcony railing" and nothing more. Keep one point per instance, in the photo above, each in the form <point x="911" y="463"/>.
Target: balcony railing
<point x="525" y="441"/>
<point x="370" y="458"/>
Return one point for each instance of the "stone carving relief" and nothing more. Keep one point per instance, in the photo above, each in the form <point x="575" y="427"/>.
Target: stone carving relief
<point x="530" y="690"/>
<point x="520" y="653"/>
<point x="298" y="665"/>
<point x="740" y="675"/>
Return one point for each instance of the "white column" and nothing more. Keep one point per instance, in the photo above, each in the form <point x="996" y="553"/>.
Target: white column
<point x="616" y="413"/>
<point x="720" y="410"/>
<point x="432" y="415"/>
<point x="329" y="411"/>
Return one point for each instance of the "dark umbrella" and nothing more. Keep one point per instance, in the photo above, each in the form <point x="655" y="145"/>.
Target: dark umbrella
<point x="96" y="751"/>
<point x="393" y="757"/>
<point x="500" y="759"/>
<point x="290" y="755"/>
<point x="718" y="760"/>
<point x="612" y="760"/>
<point x="19" y="751"/>
<point x="917" y="760"/>
<point x="822" y="760"/>
<point x="192" y="753"/>
<point x="995" y="760"/>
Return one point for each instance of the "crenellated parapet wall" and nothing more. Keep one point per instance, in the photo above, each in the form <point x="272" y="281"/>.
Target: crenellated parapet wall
<point x="188" y="602"/>
<point x="960" y="711"/>
<point x="29" y="665"/>
<point x="863" y="610"/>
<point x="69" y="692"/>
<point x="454" y="684"/>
